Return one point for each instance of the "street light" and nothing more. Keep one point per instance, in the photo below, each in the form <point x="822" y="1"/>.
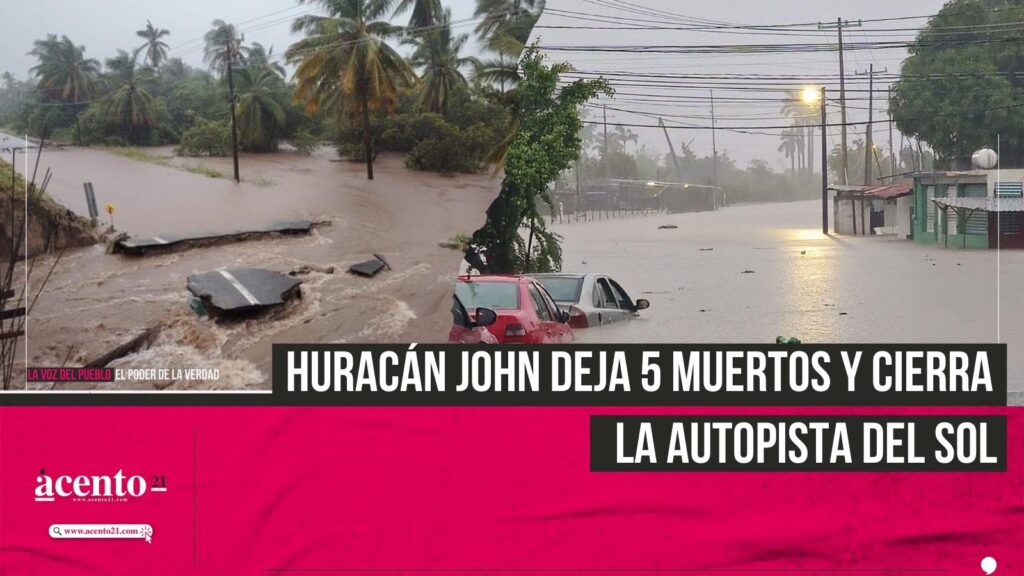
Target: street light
<point x="810" y="95"/>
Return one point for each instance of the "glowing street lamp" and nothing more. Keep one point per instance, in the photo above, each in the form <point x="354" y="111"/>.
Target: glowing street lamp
<point x="810" y="95"/>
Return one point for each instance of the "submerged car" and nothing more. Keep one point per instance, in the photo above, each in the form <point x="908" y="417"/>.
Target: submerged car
<point x="591" y="299"/>
<point x="471" y="329"/>
<point x="524" y="311"/>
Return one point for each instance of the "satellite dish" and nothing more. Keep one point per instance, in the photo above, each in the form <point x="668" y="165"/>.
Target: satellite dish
<point x="986" y="158"/>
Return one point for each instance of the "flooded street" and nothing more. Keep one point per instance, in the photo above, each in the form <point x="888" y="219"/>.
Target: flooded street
<point x="97" y="301"/>
<point x="753" y="272"/>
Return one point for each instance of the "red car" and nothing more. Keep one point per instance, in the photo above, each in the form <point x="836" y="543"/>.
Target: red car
<point x="525" y="312"/>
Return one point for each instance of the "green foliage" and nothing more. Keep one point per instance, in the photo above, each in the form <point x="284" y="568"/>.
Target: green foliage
<point x="546" y="143"/>
<point x="959" y="90"/>
<point x="206" y="138"/>
<point x="305" y="142"/>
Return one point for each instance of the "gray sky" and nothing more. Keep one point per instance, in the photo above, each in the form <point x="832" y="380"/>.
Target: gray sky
<point x="694" y="108"/>
<point x="103" y="26"/>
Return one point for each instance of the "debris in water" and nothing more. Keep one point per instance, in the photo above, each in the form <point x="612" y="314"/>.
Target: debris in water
<point x="667" y="227"/>
<point x="140" y="342"/>
<point x="242" y="290"/>
<point x="784" y="340"/>
<point x="747" y="272"/>
<point x="802" y="252"/>
<point x="842" y="314"/>
<point x="306" y="269"/>
<point x="705" y="249"/>
<point x="142" y="246"/>
<point x="370" y="268"/>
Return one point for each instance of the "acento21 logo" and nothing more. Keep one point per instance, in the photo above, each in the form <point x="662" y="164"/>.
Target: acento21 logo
<point x="105" y="488"/>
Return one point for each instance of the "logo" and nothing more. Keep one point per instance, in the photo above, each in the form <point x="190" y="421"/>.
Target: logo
<point x="117" y="487"/>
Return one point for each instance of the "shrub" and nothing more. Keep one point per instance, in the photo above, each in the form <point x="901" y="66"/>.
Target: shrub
<point x="206" y="138"/>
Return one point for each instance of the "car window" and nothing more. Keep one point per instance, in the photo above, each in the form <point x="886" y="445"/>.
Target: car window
<point x="607" y="295"/>
<point x="493" y="295"/>
<point x="620" y="295"/>
<point x="538" y="304"/>
<point x="546" y="296"/>
<point x="562" y="289"/>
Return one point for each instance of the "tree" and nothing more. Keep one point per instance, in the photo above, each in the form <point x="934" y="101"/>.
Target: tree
<point x="437" y="52"/>
<point x="546" y="143"/>
<point x="345" y="64"/>
<point x="222" y="42"/>
<point x="961" y="86"/>
<point x="502" y="71"/>
<point x="154" y="48"/>
<point x="129" y="107"/>
<point x="805" y="120"/>
<point x="261" y="107"/>
<point x="789" y="146"/>
<point x="64" y="73"/>
<point x="425" y="13"/>
<point x="261" y="57"/>
<point x="505" y="25"/>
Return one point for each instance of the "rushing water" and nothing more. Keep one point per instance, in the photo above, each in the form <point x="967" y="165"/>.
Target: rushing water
<point x="751" y="273"/>
<point x="96" y="301"/>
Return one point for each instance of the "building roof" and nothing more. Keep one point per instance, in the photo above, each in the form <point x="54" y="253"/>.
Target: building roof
<point x="987" y="204"/>
<point x="894" y="190"/>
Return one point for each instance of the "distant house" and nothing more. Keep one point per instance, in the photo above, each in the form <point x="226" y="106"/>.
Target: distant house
<point x="969" y="209"/>
<point x="866" y="210"/>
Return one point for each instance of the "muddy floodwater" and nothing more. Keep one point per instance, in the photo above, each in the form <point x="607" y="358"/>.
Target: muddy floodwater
<point x="97" y="301"/>
<point x="753" y="272"/>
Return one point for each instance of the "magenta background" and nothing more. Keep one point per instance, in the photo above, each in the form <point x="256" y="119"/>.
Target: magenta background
<point x="504" y="490"/>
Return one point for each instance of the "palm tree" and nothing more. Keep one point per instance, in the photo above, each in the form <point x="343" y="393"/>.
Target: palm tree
<point x="424" y="12"/>
<point x="129" y="106"/>
<point x="344" y="63"/>
<point x="261" y="57"/>
<point x="437" y="51"/>
<point x="65" y="74"/>
<point x="502" y="71"/>
<point x="804" y="116"/>
<point x="789" y="146"/>
<point x="623" y="135"/>
<point x="221" y="41"/>
<point x="154" y="47"/>
<point x="506" y="24"/>
<point x="261" y="112"/>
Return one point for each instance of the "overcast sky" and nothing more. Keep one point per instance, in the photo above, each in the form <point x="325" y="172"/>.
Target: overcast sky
<point x="694" y="108"/>
<point x="103" y="26"/>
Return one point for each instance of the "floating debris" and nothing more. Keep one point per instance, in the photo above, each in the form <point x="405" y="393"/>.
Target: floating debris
<point x="667" y="227"/>
<point x="370" y="268"/>
<point x="747" y="272"/>
<point x="705" y="249"/>
<point x="242" y="290"/>
<point x="307" y="269"/>
<point x="143" y="245"/>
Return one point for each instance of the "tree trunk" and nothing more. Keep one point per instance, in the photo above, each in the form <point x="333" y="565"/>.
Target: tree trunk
<point x="367" y="138"/>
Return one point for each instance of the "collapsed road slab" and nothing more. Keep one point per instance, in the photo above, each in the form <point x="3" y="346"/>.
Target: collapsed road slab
<point x="243" y="290"/>
<point x="369" y="268"/>
<point x="143" y="245"/>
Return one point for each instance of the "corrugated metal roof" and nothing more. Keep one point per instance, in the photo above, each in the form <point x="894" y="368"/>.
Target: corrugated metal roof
<point x="988" y="204"/>
<point x="901" y="188"/>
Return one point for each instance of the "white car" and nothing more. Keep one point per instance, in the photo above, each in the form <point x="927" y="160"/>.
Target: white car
<point x="591" y="299"/>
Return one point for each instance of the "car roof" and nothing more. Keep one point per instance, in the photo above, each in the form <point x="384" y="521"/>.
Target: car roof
<point x="469" y="278"/>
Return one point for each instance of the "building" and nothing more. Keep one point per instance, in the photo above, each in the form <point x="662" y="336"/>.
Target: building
<point x="969" y="209"/>
<point x="866" y="210"/>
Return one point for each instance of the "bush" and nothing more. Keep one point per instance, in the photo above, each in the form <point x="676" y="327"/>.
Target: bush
<point x="206" y="138"/>
<point x="305" y="142"/>
<point x="443" y="147"/>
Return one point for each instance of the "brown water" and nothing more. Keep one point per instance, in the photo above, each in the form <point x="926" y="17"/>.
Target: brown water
<point x="97" y="301"/>
<point x="801" y="283"/>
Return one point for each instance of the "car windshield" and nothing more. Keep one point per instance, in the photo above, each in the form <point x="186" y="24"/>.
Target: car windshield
<point x="493" y="295"/>
<point x="562" y="288"/>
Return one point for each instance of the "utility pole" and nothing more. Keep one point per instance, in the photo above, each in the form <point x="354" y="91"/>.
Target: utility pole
<point x="824" y="165"/>
<point x="232" y="100"/>
<point x="892" y="153"/>
<point x="839" y="25"/>
<point x="672" y="149"/>
<point x="869" y="137"/>
<point x="714" y="144"/>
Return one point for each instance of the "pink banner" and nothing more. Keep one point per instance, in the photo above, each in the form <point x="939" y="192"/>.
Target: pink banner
<point x="273" y="490"/>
